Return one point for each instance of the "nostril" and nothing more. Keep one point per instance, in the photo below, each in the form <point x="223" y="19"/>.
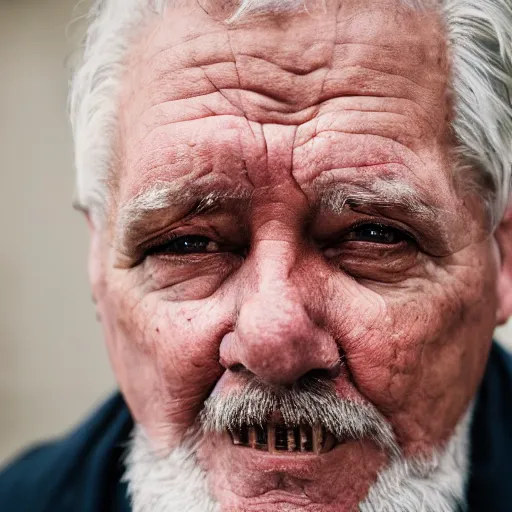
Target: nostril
<point x="335" y="370"/>
<point x="231" y="365"/>
<point x="237" y="368"/>
<point x="324" y="373"/>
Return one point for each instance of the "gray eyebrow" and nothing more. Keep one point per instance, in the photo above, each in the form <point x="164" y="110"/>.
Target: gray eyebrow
<point x="389" y="194"/>
<point x="159" y="196"/>
<point x="381" y="193"/>
<point x="164" y="197"/>
<point x="165" y="194"/>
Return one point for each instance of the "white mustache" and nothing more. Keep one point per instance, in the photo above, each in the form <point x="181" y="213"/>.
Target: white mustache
<point x="314" y="401"/>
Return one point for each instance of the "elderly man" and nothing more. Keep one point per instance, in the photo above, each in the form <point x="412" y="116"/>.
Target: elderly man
<point x="300" y="248"/>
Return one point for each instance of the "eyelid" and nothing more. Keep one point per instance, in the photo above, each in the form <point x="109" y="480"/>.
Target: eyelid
<point x="161" y="241"/>
<point x="407" y="240"/>
<point x="151" y="246"/>
<point x="145" y="249"/>
<point x="385" y="224"/>
<point x="163" y="247"/>
<point x="168" y="236"/>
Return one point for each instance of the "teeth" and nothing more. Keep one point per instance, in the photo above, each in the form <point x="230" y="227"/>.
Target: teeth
<point x="279" y="438"/>
<point x="317" y="438"/>
<point x="291" y="440"/>
<point x="271" y="438"/>
<point x="252" y="437"/>
<point x="235" y="434"/>
<point x="303" y="438"/>
<point x="244" y="435"/>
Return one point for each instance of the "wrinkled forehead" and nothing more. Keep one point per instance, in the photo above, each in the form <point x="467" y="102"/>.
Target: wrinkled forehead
<point x="291" y="58"/>
<point x="194" y="81"/>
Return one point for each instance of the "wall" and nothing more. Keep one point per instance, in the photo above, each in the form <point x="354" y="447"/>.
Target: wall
<point x="53" y="366"/>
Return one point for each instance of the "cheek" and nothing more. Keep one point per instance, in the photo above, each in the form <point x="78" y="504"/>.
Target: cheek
<point x="419" y="353"/>
<point x="165" y="357"/>
<point x="189" y="281"/>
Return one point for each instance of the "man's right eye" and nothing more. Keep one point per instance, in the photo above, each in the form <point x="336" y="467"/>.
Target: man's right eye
<point x="187" y="244"/>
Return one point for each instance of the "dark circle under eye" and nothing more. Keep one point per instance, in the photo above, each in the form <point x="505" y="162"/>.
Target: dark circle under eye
<point x="189" y="244"/>
<point x="377" y="233"/>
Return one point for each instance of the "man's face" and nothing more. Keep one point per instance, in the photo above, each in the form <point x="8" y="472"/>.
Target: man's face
<point x="285" y="209"/>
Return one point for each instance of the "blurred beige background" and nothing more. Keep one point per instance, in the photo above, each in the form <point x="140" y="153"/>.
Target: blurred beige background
<point x="53" y="367"/>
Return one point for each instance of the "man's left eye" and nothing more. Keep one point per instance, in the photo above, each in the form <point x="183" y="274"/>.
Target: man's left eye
<point x="377" y="234"/>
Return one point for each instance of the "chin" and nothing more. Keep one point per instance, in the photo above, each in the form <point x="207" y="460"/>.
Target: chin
<point x="226" y="473"/>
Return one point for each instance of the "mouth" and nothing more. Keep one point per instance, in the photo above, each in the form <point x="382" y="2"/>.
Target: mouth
<point x="278" y="438"/>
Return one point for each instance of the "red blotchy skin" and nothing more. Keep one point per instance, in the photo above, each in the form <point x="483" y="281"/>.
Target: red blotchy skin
<point x="286" y="108"/>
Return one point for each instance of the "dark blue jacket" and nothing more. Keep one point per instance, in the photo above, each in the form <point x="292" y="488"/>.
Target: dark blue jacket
<point x="82" y="472"/>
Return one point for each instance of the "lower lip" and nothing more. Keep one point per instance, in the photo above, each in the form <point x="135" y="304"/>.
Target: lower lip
<point x="294" y="463"/>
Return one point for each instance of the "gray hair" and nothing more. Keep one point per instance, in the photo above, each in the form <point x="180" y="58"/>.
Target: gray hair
<point x="479" y="35"/>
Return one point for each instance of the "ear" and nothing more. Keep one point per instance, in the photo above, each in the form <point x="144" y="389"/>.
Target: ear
<point x="95" y="263"/>
<point x="503" y="237"/>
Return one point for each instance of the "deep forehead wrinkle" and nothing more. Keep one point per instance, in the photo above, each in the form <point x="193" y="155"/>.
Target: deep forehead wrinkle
<point x="298" y="60"/>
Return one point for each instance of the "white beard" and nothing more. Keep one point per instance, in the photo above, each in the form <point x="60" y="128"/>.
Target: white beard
<point x="176" y="483"/>
<point x="434" y="485"/>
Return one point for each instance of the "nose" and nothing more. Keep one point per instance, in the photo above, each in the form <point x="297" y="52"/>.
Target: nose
<point x="277" y="341"/>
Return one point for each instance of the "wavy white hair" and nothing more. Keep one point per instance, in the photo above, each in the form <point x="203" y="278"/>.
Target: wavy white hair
<point x="480" y="39"/>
